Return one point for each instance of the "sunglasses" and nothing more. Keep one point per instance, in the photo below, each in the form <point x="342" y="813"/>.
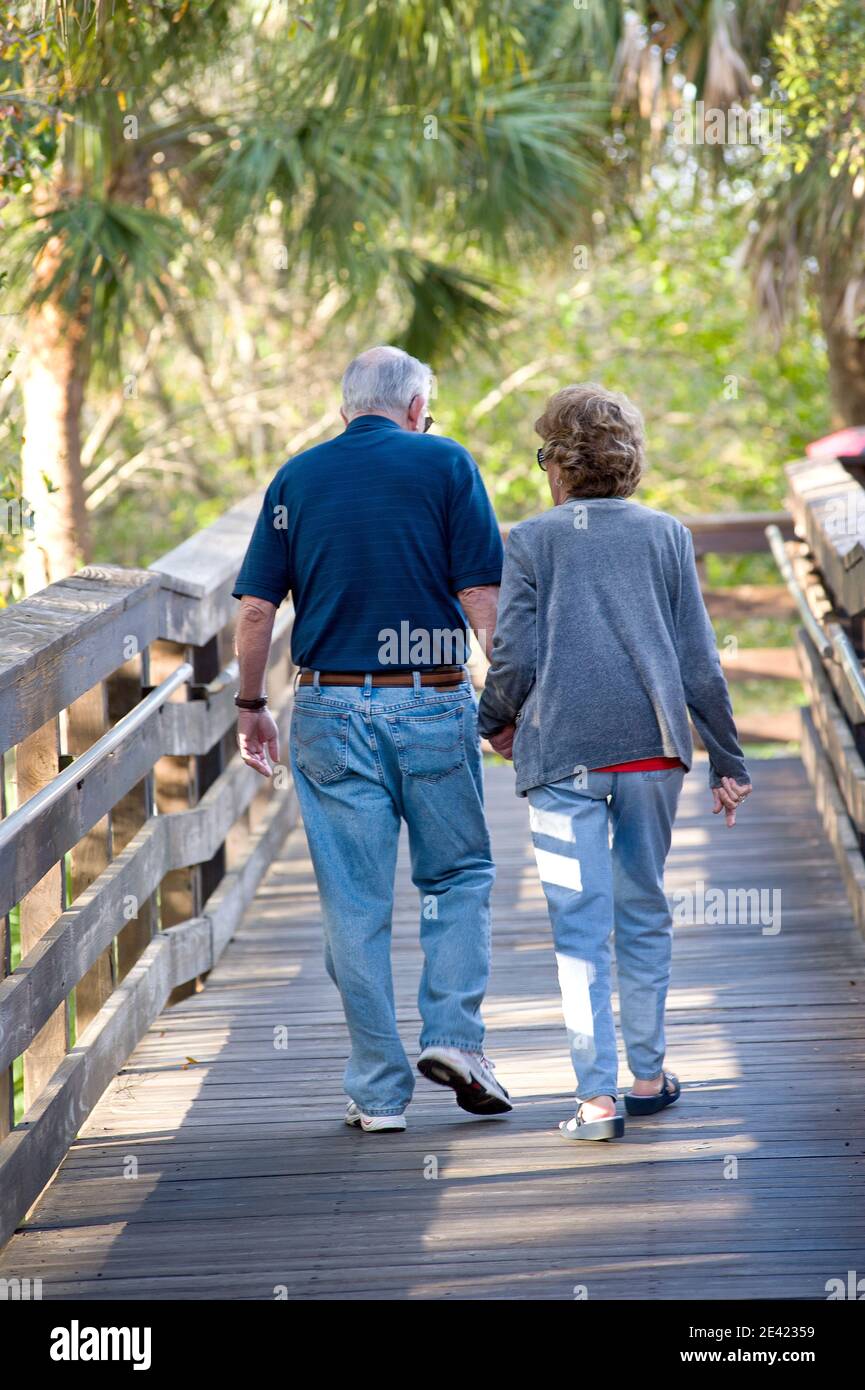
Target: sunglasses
<point x="428" y="424"/>
<point x="541" y="463"/>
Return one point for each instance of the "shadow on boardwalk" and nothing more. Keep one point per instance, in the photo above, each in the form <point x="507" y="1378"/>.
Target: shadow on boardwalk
<point x="248" y="1185"/>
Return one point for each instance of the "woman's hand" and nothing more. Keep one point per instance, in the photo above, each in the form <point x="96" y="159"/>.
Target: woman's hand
<point x="728" y="797"/>
<point x="257" y="732"/>
<point x="503" y="742"/>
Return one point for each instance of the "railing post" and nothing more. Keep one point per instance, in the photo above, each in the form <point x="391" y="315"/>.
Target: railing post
<point x="87" y="720"/>
<point x="174" y="792"/>
<point x="37" y="761"/>
<point x="131" y="812"/>
<point x="6" y="1089"/>
<point x="207" y="663"/>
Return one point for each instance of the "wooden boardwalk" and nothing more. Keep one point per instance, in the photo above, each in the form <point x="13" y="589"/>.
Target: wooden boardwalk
<point x="217" y="1165"/>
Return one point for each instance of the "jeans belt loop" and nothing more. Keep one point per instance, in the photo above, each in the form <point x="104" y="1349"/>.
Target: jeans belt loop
<point x="316" y="682"/>
<point x="367" y="688"/>
<point x="416" y="685"/>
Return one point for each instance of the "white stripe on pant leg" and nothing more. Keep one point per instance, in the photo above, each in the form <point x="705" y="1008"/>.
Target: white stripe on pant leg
<point x="559" y="870"/>
<point x="575" y="977"/>
<point x="558" y="825"/>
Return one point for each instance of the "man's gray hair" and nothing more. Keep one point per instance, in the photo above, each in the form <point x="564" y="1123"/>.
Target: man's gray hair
<point x="384" y="379"/>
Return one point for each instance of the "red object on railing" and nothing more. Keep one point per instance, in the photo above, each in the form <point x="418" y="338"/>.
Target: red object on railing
<point x="843" y="444"/>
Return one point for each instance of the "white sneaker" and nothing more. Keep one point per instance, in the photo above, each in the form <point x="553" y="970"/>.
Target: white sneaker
<point x="372" y="1124"/>
<point x="470" y="1074"/>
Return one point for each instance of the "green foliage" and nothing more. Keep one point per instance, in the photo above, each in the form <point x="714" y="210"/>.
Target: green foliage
<point x="69" y="72"/>
<point x="820" y="60"/>
<point x="811" y="194"/>
<point x="661" y="311"/>
<point x="113" y="259"/>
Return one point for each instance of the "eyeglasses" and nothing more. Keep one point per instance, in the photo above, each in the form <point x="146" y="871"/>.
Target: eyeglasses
<point x="541" y="463"/>
<point x="428" y="424"/>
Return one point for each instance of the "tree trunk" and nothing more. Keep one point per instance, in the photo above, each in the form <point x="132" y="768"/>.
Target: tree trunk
<point x="846" y="354"/>
<point x="52" y="482"/>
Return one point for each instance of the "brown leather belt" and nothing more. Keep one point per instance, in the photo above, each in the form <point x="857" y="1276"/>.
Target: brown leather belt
<point x="442" y="677"/>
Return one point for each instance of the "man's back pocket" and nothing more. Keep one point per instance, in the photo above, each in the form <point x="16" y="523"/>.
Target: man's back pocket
<point x="429" y="745"/>
<point x="320" y="740"/>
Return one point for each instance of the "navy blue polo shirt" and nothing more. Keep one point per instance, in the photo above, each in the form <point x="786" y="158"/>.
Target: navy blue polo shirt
<point x="373" y="533"/>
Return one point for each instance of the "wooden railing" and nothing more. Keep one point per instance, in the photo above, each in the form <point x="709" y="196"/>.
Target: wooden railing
<point x="825" y="570"/>
<point x="138" y="837"/>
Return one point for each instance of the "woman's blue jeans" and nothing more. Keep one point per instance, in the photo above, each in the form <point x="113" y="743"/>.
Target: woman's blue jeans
<point x="601" y="840"/>
<point x="364" y="759"/>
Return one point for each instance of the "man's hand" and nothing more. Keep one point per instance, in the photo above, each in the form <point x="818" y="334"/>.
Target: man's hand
<point x="257" y="732"/>
<point x="503" y="742"/>
<point x="728" y="797"/>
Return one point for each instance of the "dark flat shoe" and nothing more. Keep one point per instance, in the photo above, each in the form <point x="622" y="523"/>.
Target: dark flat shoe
<point x="578" y="1128"/>
<point x="650" y="1105"/>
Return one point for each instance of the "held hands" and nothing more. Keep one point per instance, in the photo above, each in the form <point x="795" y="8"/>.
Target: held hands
<point x="503" y="742"/>
<point x="728" y="797"/>
<point x="258" y="737"/>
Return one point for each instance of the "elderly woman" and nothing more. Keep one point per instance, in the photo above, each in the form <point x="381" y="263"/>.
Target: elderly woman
<point x="602" y="647"/>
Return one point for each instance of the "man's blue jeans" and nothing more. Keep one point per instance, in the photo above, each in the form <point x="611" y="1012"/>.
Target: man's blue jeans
<point x="363" y="759"/>
<point x="600" y="844"/>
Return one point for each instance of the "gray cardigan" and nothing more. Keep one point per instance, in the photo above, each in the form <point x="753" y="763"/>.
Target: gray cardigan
<point x="603" y="644"/>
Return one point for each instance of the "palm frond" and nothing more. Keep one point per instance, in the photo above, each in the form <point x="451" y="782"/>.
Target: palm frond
<point x="448" y="306"/>
<point x="103" y="262"/>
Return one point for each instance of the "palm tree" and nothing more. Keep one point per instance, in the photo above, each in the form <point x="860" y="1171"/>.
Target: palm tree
<point x="175" y="121"/>
<point x="97" y="246"/>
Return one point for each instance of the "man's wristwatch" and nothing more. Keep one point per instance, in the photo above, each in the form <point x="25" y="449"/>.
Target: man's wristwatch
<point x="256" y="704"/>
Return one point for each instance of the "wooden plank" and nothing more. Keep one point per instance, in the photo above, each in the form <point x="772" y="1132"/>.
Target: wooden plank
<point x="194" y="727"/>
<point x="69" y="948"/>
<point x="173" y="794"/>
<point x="839" y="831"/>
<point x="759" y="663"/>
<point x="30" y="1154"/>
<point x="87" y="721"/>
<point x="57" y="644"/>
<point x="782" y="727"/>
<point x="208" y="766"/>
<point x="742" y="602"/>
<point x="828" y="508"/>
<point x="129" y="814"/>
<point x="203" y="562"/>
<point x="62" y="823"/>
<point x="820" y="605"/>
<point x="163" y="845"/>
<point x="37" y="762"/>
<point x="248" y="1180"/>
<point x="6" y="1087"/>
<point x="32" y="1151"/>
<point x="727" y="533"/>
<point x="735" y="533"/>
<point x="199" y="574"/>
<point x="836" y="739"/>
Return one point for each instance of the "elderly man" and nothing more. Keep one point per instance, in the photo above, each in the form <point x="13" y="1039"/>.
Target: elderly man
<point x="387" y="542"/>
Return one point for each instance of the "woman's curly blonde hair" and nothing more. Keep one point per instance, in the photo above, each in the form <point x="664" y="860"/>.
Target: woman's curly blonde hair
<point x="596" y="438"/>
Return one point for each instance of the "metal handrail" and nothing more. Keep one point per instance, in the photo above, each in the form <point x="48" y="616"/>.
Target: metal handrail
<point x="94" y="756"/>
<point x="779" y="552"/>
<point x="832" y="641"/>
<point x="844" y="653"/>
